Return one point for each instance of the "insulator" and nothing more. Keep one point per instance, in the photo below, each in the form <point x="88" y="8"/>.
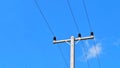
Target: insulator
<point x="92" y="34"/>
<point x="54" y="38"/>
<point x="79" y="35"/>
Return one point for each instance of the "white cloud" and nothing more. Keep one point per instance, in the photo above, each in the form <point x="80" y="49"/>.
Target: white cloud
<point x="94" y="51"/>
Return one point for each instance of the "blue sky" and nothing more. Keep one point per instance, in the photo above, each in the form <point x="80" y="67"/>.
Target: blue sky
<point x="26" y="42"/>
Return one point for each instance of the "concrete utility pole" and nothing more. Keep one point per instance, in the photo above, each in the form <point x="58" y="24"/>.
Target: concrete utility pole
<point x="72" y="46"/>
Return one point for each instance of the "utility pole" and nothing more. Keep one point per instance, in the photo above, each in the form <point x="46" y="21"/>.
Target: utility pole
<point x="72" y="41"/>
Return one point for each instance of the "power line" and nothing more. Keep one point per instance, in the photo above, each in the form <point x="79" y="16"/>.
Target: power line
<point x="63" y="56"/>
<point x="50" y="31"/>
<point x="44" y="18"/>
<point x="87" y="15"/>
<point x="98" y="59"/>
<point x="85" y="50"/>
<point x="77" y="27"/>
<point x="85" y="8"/>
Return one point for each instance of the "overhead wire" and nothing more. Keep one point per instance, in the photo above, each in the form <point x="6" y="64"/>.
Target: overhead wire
<point x="87" y="15"/>
<point x="50" y="29"/>
<point x="76" y="24"/>
<point x="46" y="21"/>
<point x="85" y="50"/>
<point x="97" y="56"/>
<point x="63" y="57"/>
<point x="90" y="27"/>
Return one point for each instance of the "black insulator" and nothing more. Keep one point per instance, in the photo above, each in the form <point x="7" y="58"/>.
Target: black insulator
<point x="92" y="34"/>
<point x="54" y="38"/>
<point x="79" y="35"/>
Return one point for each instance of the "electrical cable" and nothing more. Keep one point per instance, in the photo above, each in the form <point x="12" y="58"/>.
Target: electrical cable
<point x="97" y="56"/>
<point x="73" y="16"/>
<point x="90" y="27"/>
<point x="85" y="50"/>
<point x="87" y="15"/>
<point x="50" y="30"/>
<point x="63" y="56"/>
<point x="44" y="18"/>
